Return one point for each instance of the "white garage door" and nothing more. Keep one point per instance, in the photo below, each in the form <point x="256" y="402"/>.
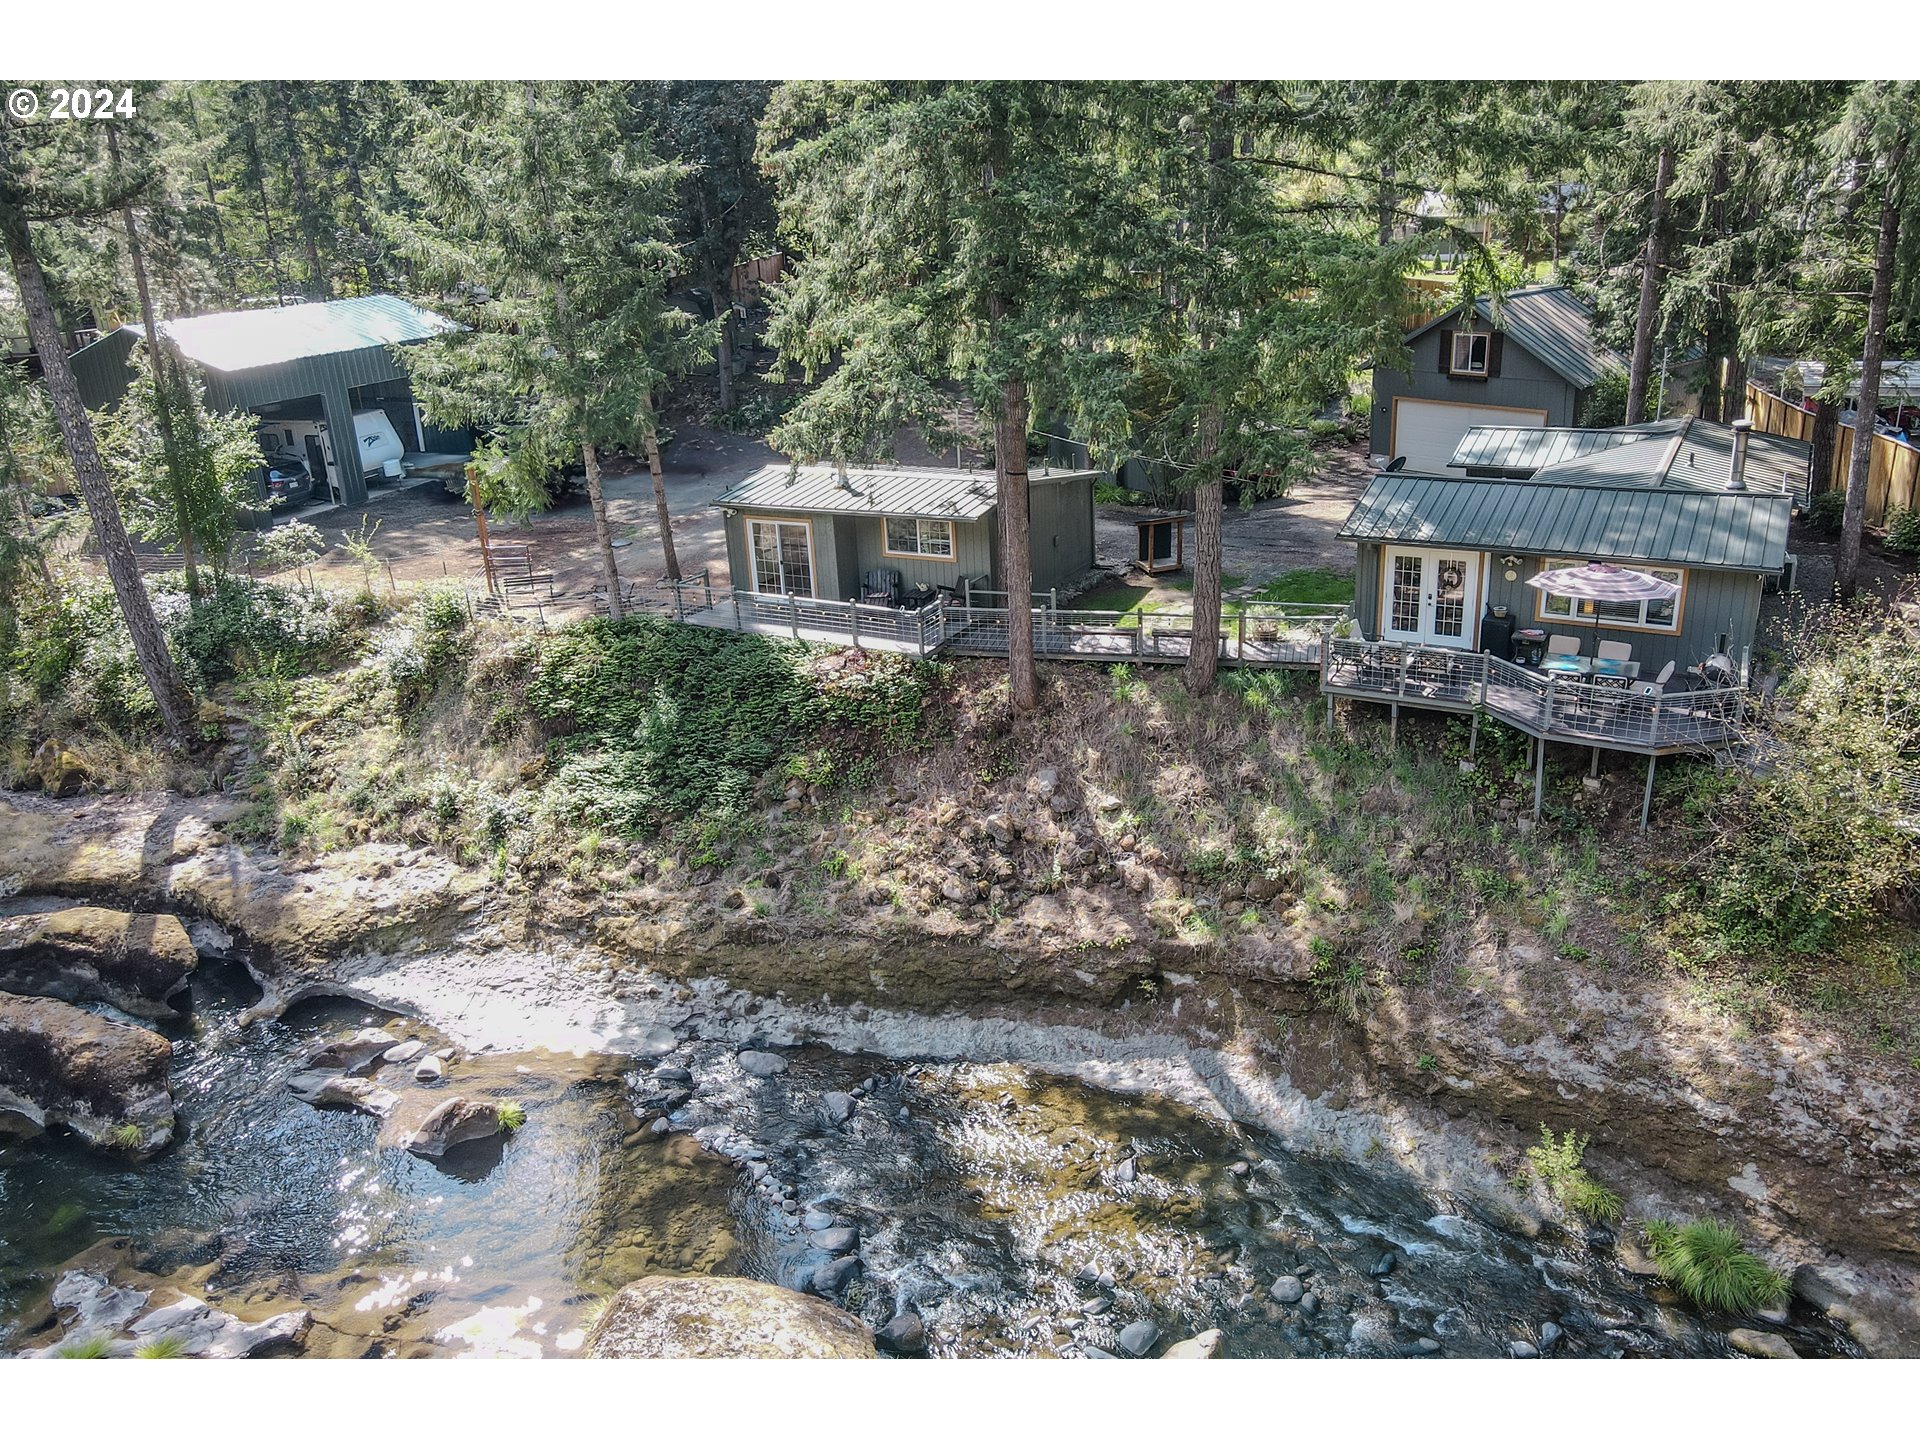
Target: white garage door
<point x="1426" y="431"/>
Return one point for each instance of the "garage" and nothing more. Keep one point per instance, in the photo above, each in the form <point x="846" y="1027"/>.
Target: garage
<point x="1426" y="431"/>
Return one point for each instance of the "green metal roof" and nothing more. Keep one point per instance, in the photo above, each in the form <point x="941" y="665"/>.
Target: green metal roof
<point x="1530" y="448"/>
<point x="1551" y="324"/>
<point x="1707" y="529"/>
<point x="925" y="493"/>
<point x="249" y="339"/>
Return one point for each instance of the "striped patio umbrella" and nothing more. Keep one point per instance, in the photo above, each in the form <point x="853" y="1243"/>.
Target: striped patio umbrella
<point x="1601" y="582"/>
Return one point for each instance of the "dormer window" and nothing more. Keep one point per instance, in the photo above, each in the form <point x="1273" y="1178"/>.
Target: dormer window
<point x="1472" y="354"/>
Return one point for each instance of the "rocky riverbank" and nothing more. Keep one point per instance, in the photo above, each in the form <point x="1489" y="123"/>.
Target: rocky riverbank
<point x="1811" y="1147"/>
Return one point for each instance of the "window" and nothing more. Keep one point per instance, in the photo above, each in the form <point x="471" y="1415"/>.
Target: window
<point x="1637" y="614"/>
<point x="1472" y="353"/>
<point x="931" y="538"/>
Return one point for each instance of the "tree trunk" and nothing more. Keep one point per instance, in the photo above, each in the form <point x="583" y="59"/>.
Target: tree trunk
<point x="1646" y="317"/>
<point x="1016" y="540"/>
<point x="1209" y="508"/>
<point x="162" y="389"/>
<point x="1826" y="434"/>
<point x="725" y="354"/>
<point x="660" y="513"/>
<point x="1386" y="203"/>
<point x="259" y="169"/>
<point x="1854" y="520"/>
<point x="170" y="696"/>
<point x="213" y="200"/>
<point x="302" y="199"/>
<point x="603" y="532"/>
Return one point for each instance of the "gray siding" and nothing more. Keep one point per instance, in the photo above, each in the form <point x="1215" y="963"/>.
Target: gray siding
<point x="1715" y="602"/>
<point x="1062" y="530"/>
<point x="1522" y="382"/>
<point x="972" y="554"/>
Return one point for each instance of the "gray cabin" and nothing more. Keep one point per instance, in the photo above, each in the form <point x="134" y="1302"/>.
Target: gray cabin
<point x="1534" y="369"/>
<point x="815" y="532"/>
<point x="1439" y="556"/>
<point x="310" y="368"/>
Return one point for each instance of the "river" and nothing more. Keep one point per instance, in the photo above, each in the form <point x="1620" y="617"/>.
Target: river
<point x="1020" y="1213"/>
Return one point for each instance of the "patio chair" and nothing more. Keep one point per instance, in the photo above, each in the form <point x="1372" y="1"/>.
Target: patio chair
<point x="880" y="587"/>
<point x="1613" y="650"/>
<point x="1562" y="645"/>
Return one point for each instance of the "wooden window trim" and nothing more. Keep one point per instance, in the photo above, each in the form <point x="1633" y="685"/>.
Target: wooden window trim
<point x="1541" y="597"/>
<point x="1453" y="354"/>
<point x="953" y="539"/>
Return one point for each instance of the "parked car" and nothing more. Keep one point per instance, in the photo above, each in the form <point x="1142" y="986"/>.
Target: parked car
<point x="286" y="479"/>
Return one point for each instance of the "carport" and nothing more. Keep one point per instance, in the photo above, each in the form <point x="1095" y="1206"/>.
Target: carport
<point x="314" y="362"/>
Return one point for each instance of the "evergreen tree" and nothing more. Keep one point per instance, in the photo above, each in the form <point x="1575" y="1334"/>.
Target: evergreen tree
<point x="543" y="226"/>
<point x="56" y="170"/>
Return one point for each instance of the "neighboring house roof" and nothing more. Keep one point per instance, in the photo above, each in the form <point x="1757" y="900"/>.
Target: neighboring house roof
<point x="249" y="339"/>
<point x="1551" y="324"/>
<point x="1726" y="530"/>
<point x="1681" y="454"/>
<point x="921" y="493"/>
<point x="1529" y="448"/>
<point x="1899" y="379"/>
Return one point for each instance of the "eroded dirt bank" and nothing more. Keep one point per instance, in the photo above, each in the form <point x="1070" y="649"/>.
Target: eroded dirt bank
<point x="1811" y="1147"/>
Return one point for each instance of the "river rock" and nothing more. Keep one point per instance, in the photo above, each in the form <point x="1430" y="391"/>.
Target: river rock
<point x="1287" y="1290"/>
<point x="56" y="770"/>
<point x="1203" y="1346"/>
<point x="1382" y="1267"/>
<point x="430" y="1069"/>
<point x="673" y="1076"/>
<point x="905" y="1334"/>
<point x="1523" y="1350"/>
<point x="709" y="1317"/>
<point x="837" y="1107"/>
<point x="402" y="1053"/>
<point x="1550" y="1334"/>
<point x="351" y="1054"/>
<point x="1761" y="1344"/>
<point x="331" y="1089"/>
<point x="763" y="1063"/>
<point x="1125" y="1172"/>
<point x="200" y="1330"/>
<point x="836" y="1241"/>
<point x="655" y="1040"/>
<point x="1137" y="1339"/>
<point x="105" y="1081"/>
<point x="455" y="1121"/>
<point x="832" y="1276"/>
<point x="97" y="1305"/>
<point x="133" y="962"/>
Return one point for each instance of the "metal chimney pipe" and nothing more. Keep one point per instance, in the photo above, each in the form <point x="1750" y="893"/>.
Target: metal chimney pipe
<point x="1738" y="479"/>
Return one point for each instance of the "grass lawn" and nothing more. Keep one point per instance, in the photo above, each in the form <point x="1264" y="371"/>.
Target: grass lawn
<point x="1308" y="587"/>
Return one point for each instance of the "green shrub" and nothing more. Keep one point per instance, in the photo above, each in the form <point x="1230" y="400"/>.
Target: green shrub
<point x="1704" y="1261"/>
<point x="167" y="1347"/>
<point x="1827" y="511"/>
<point x="1903" y="530"/>
<point x="1558" y="1161"/>
<point x="91" y="1347"/>
<point x="512" y="1116"/>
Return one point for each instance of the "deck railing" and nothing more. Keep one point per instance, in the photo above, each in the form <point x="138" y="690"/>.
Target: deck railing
<point x="1603" y="709"/>
<point x="804" y="617"/>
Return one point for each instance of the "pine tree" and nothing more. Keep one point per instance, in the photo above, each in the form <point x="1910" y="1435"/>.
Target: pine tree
<point x="543" y="224"/>
<point x="61" y="176"/>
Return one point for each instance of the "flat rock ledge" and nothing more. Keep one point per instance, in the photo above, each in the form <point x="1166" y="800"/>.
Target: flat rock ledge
<point x="104" y="1081"/>
<point x="664" y="1317"/>
<point x="118" y="1320"/>
<point x="133" y="962"/>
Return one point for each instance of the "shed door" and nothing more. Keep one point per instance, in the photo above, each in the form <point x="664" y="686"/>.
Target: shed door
<point x="1428" y="431"/>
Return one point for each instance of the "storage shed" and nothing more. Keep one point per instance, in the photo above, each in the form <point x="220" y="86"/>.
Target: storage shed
<point x="308" y="366"/>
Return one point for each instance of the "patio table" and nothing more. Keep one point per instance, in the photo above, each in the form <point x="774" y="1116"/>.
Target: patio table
<point x="1587" y="665"/>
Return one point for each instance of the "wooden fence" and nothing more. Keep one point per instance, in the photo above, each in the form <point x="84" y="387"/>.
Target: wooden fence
<point x="1893" y="478"/>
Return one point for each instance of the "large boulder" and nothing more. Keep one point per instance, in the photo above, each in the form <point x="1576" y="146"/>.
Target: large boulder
<point x="134" y="962"/>
<point x="105" y="1081"/>
<point x="696" y="1317"/>
<point x="455" y="1122"/>
<point x="353" y="1054"/>
<point x="330" y="1089"/>
<point x="92" y="1308"/>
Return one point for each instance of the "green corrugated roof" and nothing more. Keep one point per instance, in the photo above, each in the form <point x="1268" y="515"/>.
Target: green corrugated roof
<point x="1708" y="529"/>
<point x="1530" y="448"/>
<point x="248" y="339"/>
<point x="1551" y="324"/>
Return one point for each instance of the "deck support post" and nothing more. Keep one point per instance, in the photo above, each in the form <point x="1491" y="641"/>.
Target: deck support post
<point x="1539" y="775"/>
<point x="736" y="610"/>
<point x="1594" y="769"/>
<point x="1646" y="802"/>
<point x="853" y="624"/>
<point x="793" y="613"/>
<point x="1393" y="730"/>
<point x="1473" y="737"/>
<point x="1329" y="714"/>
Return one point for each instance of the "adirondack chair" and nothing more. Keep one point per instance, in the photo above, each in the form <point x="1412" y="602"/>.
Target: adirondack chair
<point x="880" y="587"/>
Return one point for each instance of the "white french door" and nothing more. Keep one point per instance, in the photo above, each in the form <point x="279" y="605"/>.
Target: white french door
<point x="782" y="557"/>
<point x="1431" y="596"/>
